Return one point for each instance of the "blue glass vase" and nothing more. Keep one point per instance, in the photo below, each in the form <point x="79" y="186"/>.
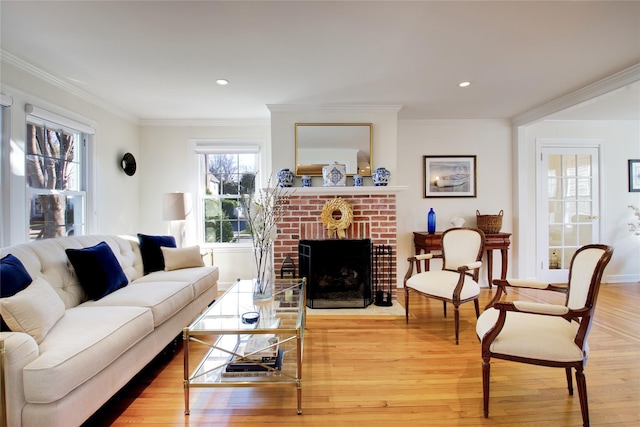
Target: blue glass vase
<point x="431" y="221"/>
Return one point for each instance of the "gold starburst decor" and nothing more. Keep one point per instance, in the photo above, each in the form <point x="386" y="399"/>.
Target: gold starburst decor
<point x="337" y="225"/>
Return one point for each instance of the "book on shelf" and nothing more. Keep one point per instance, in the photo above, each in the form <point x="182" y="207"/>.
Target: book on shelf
<point x="247" y="366"/>
<point x="253" y="369"/>
<point x="261" y="347"/>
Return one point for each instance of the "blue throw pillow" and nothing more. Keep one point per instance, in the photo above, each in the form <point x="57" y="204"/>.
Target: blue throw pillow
<point x="152" y="258"/>
<point x="98" y="270"/>
<point x="13" y="276"/>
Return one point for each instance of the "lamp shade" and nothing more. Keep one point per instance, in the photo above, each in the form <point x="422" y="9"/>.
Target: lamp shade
<point x="176" y="206"/>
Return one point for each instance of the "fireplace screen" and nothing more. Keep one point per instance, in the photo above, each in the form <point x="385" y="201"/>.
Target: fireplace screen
<point x="338" y="272"/>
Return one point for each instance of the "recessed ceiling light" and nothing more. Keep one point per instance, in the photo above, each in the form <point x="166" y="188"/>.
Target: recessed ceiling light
<point x="464" y="84"/>
<point x="222" y="82"/>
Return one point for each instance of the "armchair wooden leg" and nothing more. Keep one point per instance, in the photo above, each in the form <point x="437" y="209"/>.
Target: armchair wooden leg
<point x="569" y="381"/>
<point x="406" y="304"/>
<point x="582" y="393"/>
<point x="477" y="306"/>
<point x="444" y="307"/>
<point x="486" y="368"/>
<point x="456" y="320"/>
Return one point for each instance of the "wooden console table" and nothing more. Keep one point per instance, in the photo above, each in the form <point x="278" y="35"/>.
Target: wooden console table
<point x="425" y="242"/>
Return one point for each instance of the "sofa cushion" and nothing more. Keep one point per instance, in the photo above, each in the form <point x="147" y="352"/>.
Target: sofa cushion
<point x="201" y="278"/>
<point x="152" y="258"/>
<point x="13" y="276"/>
<point x="97" y="269"/>
<point x="178" y="258"/>
<point x="164" y="299"/>
<point x="34" y="310"/>
<point x="70" y="356"/>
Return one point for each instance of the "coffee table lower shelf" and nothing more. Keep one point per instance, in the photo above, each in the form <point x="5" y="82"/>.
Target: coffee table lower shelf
<point x="210" y="373"/>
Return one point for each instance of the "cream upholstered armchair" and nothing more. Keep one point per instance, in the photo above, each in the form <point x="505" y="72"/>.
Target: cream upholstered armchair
<point x="457" y="282"/>
<point x="546" y="334"/>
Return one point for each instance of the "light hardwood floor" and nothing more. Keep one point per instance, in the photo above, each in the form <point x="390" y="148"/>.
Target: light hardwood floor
<point x="386" y="373"/>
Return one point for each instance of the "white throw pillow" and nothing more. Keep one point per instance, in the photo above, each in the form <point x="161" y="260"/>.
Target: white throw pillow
<point x="177" y="258"/>
<point x="34" y="310"/>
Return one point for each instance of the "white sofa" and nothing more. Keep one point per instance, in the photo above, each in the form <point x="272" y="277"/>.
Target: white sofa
<point x="95" y="347"/>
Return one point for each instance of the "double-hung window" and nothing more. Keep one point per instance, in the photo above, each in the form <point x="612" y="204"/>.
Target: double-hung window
<point x="227" y="176"/>
<point x="56" y="178"/>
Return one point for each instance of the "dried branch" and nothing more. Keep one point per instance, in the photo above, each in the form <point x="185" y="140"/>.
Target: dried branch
<point x="265" y="209"/>
<point x="635" y="228"/>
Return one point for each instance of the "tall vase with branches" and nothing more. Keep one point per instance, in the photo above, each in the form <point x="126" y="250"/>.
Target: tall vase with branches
<point x="264" y="210"/>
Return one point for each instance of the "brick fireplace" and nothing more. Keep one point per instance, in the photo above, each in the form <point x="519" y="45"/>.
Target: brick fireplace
<point x="374" y="217"/>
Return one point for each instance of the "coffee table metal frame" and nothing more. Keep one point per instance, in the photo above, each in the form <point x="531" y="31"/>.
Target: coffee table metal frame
<point x="222" y="329"/>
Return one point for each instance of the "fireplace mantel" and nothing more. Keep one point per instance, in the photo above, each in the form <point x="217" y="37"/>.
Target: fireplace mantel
<point x="347" y="191"/>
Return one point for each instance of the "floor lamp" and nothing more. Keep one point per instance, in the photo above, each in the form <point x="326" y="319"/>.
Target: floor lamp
<point x="175" y="208"/>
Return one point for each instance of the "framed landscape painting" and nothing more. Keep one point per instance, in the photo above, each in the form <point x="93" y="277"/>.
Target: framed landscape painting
<point x="449" y="176"/>
<point x="634" y="175"/>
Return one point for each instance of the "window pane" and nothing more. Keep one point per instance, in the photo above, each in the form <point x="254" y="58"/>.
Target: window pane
<point x="55" y="215"/>
<point x="52" y="159"/>
<point x="584" y="188"/>
<point x="569" y="165"/>
<point x="228" y="178"/>
<point x="584" y="165"/>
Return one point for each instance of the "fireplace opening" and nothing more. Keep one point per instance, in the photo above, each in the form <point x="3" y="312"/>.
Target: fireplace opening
<point x="338" y="272"/>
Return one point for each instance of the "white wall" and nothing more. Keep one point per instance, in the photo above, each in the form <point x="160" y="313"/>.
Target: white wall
<point x="168" y="163"/>
<point x="621" y="142"/>
<point x="115" y="207"/>
<point x="489" y="141"/>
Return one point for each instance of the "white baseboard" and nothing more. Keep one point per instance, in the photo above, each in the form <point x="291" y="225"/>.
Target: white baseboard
<point x="622" y="278"/>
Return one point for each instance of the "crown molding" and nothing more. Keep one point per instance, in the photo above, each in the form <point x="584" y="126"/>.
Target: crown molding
<point x="601" y="87"/>
<point x="204" y="122"/>
<point x="289" y="108"/>
<point x="23" y="65"/>
<point x="452" y="121"/>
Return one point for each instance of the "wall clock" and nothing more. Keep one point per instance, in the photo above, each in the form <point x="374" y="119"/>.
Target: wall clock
<point x="128" y="164"/>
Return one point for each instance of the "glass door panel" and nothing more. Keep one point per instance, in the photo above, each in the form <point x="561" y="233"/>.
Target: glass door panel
<point x="570" y="177"/>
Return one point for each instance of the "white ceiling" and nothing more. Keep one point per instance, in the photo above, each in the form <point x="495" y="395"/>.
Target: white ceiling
<point x="160" y="59"/>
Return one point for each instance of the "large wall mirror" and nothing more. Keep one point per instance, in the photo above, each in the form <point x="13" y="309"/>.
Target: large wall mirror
<point x="318" y="144"/>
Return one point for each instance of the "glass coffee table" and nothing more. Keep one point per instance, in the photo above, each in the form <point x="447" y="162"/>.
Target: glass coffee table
<point x="251" y="344"/>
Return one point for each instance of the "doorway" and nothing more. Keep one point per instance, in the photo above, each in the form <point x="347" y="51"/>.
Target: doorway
<point x="568" y="208"/>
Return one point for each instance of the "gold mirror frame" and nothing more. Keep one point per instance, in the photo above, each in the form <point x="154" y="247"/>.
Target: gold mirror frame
<point x="347" y="143"/>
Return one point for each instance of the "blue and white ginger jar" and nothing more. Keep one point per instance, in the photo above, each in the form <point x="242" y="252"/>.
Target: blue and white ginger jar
<point x="285" y="178"/>
<point x="334" y="175"/>
<point x="306" y="181"/>
<point x="381" y="177"/>
<point x="357" y="180"/>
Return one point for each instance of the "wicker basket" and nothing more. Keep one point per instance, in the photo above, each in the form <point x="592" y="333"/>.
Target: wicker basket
<point x="490" y="224"/>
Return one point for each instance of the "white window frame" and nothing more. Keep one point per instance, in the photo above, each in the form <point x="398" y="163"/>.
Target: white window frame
<point x="5" y="116"/>
<point x="39" y="116"/>
<point x="223" y="146"/>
